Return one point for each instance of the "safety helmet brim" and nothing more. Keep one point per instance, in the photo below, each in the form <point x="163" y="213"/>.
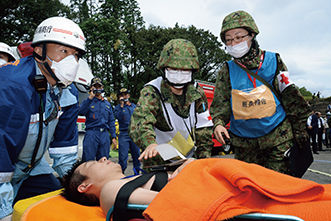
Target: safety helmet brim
<point x="4" y="48"/>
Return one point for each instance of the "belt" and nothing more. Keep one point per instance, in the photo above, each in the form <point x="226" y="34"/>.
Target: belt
<point x="101" y="129"/>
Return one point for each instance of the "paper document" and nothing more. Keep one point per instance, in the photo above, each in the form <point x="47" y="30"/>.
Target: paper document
<point x="168" y="152"/>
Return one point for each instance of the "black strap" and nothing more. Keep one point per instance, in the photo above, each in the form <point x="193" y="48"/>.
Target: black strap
<point x="40" y="134"/>
<point x="122" y="198"/>
<point x="260" y="79"/>
<point x="161" y="179"/>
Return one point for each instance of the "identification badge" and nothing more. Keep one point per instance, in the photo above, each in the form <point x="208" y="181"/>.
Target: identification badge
<point x="258" y="103"/>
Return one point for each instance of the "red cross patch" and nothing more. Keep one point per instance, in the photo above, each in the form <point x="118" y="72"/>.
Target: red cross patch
<point x="284" y="79"/>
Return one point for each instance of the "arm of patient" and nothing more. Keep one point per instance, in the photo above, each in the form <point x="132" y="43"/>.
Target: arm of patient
<point x="141" y="195"/>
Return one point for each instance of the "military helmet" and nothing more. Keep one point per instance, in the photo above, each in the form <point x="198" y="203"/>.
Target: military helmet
<point x="238" y="19"/>
<point x="180" y="54"/>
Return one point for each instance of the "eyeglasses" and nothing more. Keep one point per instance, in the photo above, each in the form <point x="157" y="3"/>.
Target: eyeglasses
<point x="236" y="39"/>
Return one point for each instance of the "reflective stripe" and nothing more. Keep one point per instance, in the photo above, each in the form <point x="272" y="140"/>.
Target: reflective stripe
<point x="6" y="177"/>
<point x="34" y="118"/>
<point x="63" y="150"/>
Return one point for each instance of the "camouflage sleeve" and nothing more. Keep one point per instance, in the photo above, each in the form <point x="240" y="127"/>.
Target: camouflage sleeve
<point x="203" y="136"/>
<point x="296" y="107"/>
<point x="143" y="118"/>
<point x="220" y="108"/>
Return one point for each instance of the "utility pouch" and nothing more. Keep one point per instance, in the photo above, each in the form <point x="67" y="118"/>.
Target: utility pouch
<point x="40" y="83"/>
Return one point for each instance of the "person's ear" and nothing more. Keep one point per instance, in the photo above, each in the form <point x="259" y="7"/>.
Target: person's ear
<point x="82" y="188"/>
<point x="39" y="51"/>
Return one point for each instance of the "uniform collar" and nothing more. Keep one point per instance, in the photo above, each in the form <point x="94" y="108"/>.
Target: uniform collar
<point x="252" y="59"/>
<point x="101" y="99"/>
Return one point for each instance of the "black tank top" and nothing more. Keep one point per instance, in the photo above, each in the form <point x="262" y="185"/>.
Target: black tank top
<point x="120" y="212"/>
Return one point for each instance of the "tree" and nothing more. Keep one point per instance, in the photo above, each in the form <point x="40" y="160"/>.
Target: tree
<point x="305" y="92"/>
<point x="130" y="20"/>
<point x="19" y="19"/>
<point x="110" y="31"/>
<point x="102" y="45"/>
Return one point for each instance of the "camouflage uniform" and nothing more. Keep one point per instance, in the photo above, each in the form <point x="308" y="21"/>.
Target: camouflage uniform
<point x="149" y="112"/>
<point x="267" y="150"/>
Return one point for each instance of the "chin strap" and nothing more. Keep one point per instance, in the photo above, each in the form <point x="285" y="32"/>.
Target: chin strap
<point x="46" y="65"/>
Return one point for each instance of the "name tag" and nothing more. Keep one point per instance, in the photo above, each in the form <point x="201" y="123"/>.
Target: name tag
<point x="258" y="103"/>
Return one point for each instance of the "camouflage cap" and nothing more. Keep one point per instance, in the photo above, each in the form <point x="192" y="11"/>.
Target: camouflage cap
<point x="238" y="19"/>
<point x="179" y="53"/>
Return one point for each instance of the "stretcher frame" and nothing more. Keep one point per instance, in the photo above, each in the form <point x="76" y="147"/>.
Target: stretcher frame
<point x="252" y="216"/>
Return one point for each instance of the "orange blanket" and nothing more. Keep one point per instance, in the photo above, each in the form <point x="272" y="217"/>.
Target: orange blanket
<point x="218" y="189"/>
<point x="58" y="208"/>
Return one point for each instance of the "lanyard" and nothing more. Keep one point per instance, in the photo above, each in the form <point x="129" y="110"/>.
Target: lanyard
<point x="249" y="76"/>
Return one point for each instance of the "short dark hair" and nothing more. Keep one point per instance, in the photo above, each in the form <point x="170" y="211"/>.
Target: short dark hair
<point x="71" y="181"/>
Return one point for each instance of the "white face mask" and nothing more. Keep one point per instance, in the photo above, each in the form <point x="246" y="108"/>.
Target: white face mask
<point x="2" y="61"/>
<point x="178" y="77"/>
<point x="66" y="69"/>
<point x="238" y="50"/>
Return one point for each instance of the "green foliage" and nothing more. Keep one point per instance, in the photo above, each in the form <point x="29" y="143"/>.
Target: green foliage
<point x="102" y="36"/>
<point x="120" y="49"/>
<point x="21" y="18"/>
<point x="150" y="42"/>
<point x="305" y="92"/>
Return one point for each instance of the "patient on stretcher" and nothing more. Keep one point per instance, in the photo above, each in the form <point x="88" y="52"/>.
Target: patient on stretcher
<point x="206" y="189"/>
<point x="96" y="183"/>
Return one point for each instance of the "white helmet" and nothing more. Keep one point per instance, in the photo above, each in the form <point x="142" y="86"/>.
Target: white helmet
<point x="6" y="49"/>
<point x="60" y="30"/>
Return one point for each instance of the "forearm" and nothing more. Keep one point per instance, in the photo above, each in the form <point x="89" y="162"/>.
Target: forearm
<point x="63" y="148"/>
<point x="142" y="137"/>
<point x="84" y="107"/>
<point x="143" y="119"/>
<point x="6" y="199"/>
<point x="204" y="142"/>
<point x="220" y="108"/>
<point x="295" y="106"/>
<point x="112" y="128"/>
<point x="118" y="112"/>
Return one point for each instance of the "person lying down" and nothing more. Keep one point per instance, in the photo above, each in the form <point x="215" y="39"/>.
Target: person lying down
<point x="204" y="189"/>
<point x="96" y="183"/>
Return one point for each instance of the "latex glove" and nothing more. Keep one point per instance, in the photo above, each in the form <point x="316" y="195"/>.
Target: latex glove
<point x="301" y="137"/>
<point x="7" y="218"/>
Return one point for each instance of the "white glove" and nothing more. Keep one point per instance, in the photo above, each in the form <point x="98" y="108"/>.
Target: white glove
<point x="7" y="218"/>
